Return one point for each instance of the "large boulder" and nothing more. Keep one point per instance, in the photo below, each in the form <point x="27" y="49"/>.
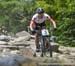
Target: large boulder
<point x="22" y="34"/>
<point x="20" y="41"/>
<point x="21" y="37"/>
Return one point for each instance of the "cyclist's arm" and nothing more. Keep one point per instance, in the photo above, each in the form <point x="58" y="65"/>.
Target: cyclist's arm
<point x="31" y="24"/>
<point x="52" y="21"/>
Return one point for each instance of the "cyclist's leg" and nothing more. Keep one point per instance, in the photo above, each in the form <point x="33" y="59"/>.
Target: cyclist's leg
<point x="36" y="38"/>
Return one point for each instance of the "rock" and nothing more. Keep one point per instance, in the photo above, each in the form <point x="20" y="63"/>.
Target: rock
<point x="65" y="50"/>
<point x="72" y="54"/>
<point x="16" y="60"/>
<point x="23" y="59"/>
<point x="10" y="47"/>
<point x="8" y="61"/>
<point x="25" y="44"/>
<point x="72" y="49"/>
<point x="7" y="52"/>
<point x="20" y="39"/>
<point x="27" y="52"/>
<point x="4" y="38"/>
<point x="15" y="52"/>
<point x="22" y="34"/>
<point x="62" y="57"/>
<point x="32" y="36"/>
<point x="24" y="38"/>
<point x="55" y="46"/>
<point x="3" y="43"/>
<point x="62" y="48"/>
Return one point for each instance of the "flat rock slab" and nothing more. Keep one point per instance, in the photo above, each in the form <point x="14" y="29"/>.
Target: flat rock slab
<point x="11" y="47"/>
<point x="23" y="43"/>
<point x="24" y="38"/>
<point x="3" y="43"/>
<point x="56" y="64"/>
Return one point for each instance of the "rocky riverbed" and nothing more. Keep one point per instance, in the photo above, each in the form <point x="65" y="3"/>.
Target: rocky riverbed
<point x="18" y="51"/>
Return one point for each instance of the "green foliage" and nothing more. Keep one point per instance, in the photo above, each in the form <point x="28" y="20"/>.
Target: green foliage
<point x="15" y="14"/>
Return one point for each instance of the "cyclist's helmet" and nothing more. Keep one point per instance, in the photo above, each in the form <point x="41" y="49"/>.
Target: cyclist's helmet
<point x="40" y="10"/>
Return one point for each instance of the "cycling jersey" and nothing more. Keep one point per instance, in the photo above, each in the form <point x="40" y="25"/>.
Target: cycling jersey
<point x="38" y="20"/>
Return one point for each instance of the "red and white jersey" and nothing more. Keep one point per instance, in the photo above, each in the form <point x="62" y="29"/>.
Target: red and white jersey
<point x="38" y="20"/>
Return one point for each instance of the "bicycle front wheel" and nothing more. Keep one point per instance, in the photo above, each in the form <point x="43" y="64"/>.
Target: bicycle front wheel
<point x="49" y="47"/>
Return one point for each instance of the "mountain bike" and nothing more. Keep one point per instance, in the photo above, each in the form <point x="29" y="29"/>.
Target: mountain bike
<point x="44" y="41"/>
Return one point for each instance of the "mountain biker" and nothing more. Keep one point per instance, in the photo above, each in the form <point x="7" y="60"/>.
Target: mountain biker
<point x="39" y="19"/>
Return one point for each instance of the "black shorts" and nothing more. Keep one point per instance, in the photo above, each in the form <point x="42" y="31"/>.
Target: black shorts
<point x="36" y="28"/>
<point x="41" y="25"/>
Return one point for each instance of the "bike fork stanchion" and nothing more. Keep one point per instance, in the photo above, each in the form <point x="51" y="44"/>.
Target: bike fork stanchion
<point x="42" y="50"/>
<point x="42" y="53"/>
